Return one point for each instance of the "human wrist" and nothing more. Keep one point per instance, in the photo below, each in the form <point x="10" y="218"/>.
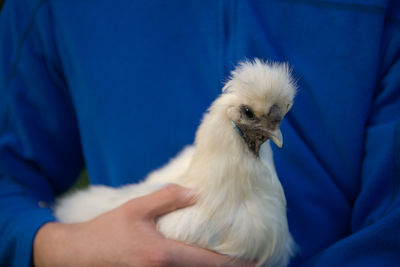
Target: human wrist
<point x="51" y="245"/>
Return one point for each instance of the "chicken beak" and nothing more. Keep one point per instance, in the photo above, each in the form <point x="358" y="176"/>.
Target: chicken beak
<point x="277" y="138"/>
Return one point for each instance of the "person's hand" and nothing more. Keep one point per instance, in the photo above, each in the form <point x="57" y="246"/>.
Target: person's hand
<point x="125" y="236"/>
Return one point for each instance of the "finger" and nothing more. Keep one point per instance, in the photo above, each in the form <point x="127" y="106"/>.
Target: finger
<point x="185" y="255"/>
<point x="165" y="200"/>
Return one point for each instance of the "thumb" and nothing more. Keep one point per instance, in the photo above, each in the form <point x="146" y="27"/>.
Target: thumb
<point x="165" y="200"/>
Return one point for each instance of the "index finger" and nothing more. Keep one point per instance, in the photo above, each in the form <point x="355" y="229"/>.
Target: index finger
<point x="165" y="200"/>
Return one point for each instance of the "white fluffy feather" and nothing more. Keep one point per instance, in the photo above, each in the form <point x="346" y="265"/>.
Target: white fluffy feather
<point x="241" y="210"/>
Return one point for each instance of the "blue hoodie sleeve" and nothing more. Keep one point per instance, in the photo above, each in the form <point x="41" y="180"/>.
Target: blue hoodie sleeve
<point x="40" y="153"/>
<point x="375" y="236"/>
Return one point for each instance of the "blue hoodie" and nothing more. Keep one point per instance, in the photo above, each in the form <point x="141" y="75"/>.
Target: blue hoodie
<point x="120" y="87"/>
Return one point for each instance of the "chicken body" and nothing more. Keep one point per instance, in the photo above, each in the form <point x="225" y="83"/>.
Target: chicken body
<point x="241" y="210"/>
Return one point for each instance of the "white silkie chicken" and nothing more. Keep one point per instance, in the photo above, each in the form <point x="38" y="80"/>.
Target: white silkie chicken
<point x="241" y="209"/>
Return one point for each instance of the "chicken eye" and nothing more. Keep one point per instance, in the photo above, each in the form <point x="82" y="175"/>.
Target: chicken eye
<point x="248" y="112"/>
